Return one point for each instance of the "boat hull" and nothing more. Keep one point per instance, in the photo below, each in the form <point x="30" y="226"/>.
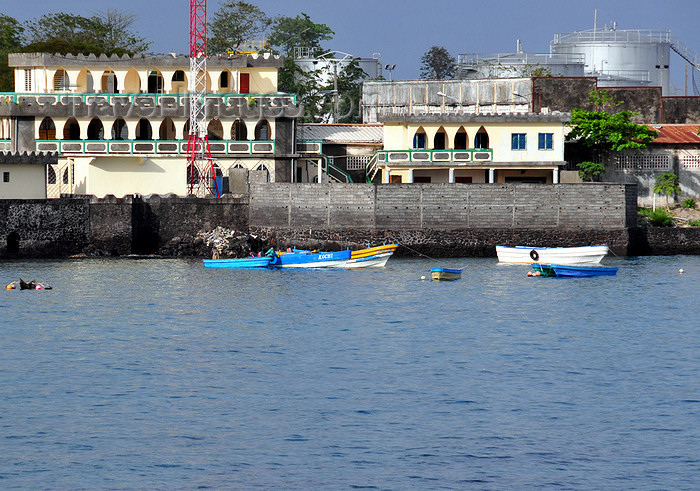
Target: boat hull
<point x="440" y="274"/>
<point x="303" y="259"/>
<point x="549" y="255"/>
<point x="242" y="263"/>
<point x="375" y="261"/>
<point x="575" y="271"/>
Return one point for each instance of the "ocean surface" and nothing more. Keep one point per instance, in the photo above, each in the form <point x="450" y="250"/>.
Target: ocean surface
<point x="159" y="374"/>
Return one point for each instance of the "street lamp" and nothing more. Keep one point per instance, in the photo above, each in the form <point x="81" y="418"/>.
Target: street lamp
<point x="389" y="68"/>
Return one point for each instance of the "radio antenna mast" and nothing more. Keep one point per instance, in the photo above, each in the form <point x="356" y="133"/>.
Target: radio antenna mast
<point x="201" y="172"/>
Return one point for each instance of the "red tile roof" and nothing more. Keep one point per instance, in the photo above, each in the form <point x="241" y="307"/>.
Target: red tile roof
<point x="676" y="133"/>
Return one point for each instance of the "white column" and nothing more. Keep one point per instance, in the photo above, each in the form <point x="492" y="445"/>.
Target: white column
<point x="451" y="177"/>
<point x="320" y="171"/>
<point x="386" y="179"/>
<point x="492" y="175"/>
<point x="410" y="175"/>
<point x="555" y="176"/>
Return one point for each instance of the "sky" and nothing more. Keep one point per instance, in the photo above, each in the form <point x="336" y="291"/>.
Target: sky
<point x="401" y="31"/>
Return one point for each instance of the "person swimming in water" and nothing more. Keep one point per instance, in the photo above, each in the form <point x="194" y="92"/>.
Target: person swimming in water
<point x="23" y="285"/>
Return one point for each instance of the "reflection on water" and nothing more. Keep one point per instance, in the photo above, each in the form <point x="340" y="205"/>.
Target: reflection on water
<point x="158" y="373"/>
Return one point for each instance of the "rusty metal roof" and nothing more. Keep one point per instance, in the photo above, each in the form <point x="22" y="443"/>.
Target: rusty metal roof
<point x="342" y="133"/>
<point x="676" y="133"/>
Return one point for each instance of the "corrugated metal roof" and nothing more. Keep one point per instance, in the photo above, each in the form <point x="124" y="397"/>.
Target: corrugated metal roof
<point x="676" y="133"/>
<point x="342" y="133"/>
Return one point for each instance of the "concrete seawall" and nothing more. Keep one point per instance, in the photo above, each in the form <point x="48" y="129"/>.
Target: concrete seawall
<point x="438" y="220"/>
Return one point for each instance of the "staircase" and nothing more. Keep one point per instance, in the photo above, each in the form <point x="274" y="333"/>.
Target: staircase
<point x="371" y="169"/>
<point x="336" y="174"/>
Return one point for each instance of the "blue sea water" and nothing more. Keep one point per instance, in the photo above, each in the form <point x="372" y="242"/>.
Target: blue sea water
<point x="158" y="374"/>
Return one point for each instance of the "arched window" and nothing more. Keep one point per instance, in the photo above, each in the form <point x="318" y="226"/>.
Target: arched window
<point x="215" y="130"/>
<point x="481" y="140"/>
<point x="179" y="82"/>
<point x="167" y="129"/>
<point x="61" y="82"/>
<point x="65" y="176"/>
<point x="440" y="139"/>
<point x="225" y="81"/>
<point x="71" y="130"/>
<point x="120" y="131"/>
<point x="419" y="139"/>
<point x="95" y="130"/>
<point x="47" y="129"/>
<point x="108" y="84"/>
<point x="186" y="129"/>
<point x="132" y="82"/>
<point x="239" y="132"/>
<point x="144" y="130"/>
<point x="262" y="130"/>
<point x="461" y="139"/>
<point x="155" y="82"/>
<point x="51" y="175"/>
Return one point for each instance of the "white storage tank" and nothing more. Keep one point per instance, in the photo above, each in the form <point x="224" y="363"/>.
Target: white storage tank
<point x="619" y="58"/>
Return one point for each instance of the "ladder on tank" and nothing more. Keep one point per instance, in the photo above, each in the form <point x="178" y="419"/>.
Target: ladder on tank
<point x="689" y="56"/>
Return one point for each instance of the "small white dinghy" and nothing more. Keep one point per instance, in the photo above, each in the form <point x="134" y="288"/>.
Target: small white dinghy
<point x="548" y="255"/>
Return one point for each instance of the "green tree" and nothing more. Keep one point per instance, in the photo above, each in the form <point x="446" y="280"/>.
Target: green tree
<point x="286" y="33"/>
<point x="10" y="40"/>
<point x="235" y="23"/>
<point x="350" y="92"/>
<point x="106" y="32"/>
<point x="600" y="132"/>
<point x="668" y="185"/>
<point x="437" y="63"/>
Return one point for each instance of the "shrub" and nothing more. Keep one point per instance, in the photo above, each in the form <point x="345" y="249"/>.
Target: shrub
<point x="694" y="223"/>
<point x="590" y="171"/>
<point x="689" y="203"/>
<point x="657" y="218"/>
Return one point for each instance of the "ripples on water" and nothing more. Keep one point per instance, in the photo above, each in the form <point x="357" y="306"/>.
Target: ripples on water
<point x="160" y="374"/>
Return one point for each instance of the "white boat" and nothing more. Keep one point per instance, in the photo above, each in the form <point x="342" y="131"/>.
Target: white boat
<point x="557" y="255"/>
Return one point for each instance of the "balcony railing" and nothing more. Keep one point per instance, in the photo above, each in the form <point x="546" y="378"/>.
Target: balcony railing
<point x="151" y="147"/>
<point x="143" y="99"/>
<point x="403" y="157"/>
<point x="5" y="145"/>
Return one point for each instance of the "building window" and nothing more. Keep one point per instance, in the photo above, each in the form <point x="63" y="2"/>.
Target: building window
<point x="179" y="76"/>
<point x="28" y="80"/>
<point x="545" y="141"/>
<point x="517" y="141"/>
<point x="5" y="177"/>
<point x="419" y="140"/>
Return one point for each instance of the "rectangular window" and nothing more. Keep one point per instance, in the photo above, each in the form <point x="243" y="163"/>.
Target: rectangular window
<point x="419" y="140"/>
<point x="545" y="141"/>
<point x="28" y="80"/>
<point x="5" y="177"/>
<point x="517" y="141"/>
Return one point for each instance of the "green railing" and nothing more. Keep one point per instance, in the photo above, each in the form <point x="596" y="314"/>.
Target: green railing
<point x="434" y="156"/>
<point x="85" y="97"/>
<point x="151" y="147"/>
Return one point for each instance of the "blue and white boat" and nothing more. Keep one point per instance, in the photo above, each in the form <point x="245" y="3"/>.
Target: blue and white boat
<point x="309" y="259"/>
<point x="242" y="263"/>
<point x="579" y="271"/>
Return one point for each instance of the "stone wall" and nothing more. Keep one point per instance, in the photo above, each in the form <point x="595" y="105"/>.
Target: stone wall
<point x="589" y="206"/>
<point x="43" y="228"/>
<point x="437" y="220"/>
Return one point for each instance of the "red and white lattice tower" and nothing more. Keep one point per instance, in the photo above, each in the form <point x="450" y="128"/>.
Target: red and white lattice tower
<point x="201" y="174"/>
